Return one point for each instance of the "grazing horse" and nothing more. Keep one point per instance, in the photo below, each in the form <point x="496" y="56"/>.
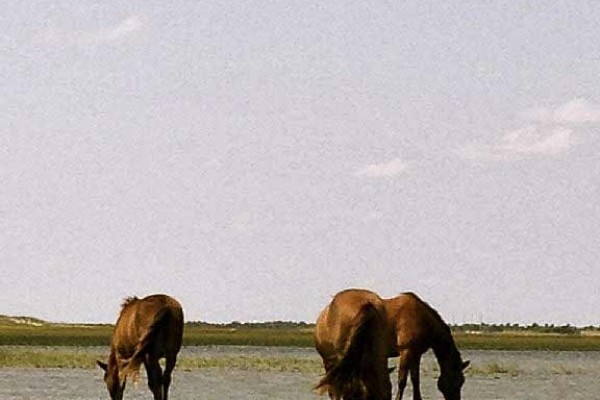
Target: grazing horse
<point x="348" y="338"/>
<point x="147" y="329"/>
<point x="416" y="327"/>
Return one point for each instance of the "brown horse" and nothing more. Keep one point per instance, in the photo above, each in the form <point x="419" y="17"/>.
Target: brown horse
<point x="415" y="328"/>
<point x="348" y="338"/>
<point x="147" y="329"/>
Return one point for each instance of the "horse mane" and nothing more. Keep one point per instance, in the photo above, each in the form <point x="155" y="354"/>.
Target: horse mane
<point x="446" y="344"/>
<point x="432" y="310"/>
<point x="129" y="300"/>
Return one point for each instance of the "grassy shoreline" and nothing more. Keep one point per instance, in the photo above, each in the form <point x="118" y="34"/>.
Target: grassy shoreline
<point x="31" y="357"/>
<point x="16" y="357"/>
<point x="527" y="342"/>
<point x="70" y="346"/>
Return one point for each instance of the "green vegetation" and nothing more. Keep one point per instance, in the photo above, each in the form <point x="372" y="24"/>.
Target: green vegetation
<point x="11" y="357"/>
<point x="45" y="344"/>
<point x="247" y="336"/>
<point x="33" y="332"/>
<point x="512" y="341"/>
<point x="99" y="335"/>
<point x="42" y="357"/>
<point x="55" y="335"/>
<point x="254" y="363"/>
<point x="68" y="358"/>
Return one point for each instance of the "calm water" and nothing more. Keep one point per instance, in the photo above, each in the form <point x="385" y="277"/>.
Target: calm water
<point x="495" y="375"/>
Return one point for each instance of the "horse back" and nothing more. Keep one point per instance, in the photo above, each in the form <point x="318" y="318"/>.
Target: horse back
<point x="348" y="338"/>
<point x="335" y="322"/>
<point x="155" y="322"/>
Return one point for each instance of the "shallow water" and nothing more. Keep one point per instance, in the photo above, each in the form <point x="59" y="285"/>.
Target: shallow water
<point x="495" y="375"/>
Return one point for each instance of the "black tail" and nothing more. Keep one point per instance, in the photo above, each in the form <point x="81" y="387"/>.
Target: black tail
<point x="344" y="379"/>
<point x="132" y="365"/>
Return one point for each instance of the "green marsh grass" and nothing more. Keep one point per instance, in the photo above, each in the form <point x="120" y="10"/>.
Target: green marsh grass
<point x="55" y="335"/>
<point x="523" y="342"/>
<point x="493" y="369"/>
<point x="44" y="357"/>
<point x="99" y="335"/>
<point x="254" y="363"/>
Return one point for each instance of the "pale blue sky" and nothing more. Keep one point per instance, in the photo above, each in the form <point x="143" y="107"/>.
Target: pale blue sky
<point x="253" y="159"/>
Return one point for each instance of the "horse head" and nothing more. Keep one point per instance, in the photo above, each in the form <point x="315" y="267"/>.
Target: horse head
<point x="115" y="382"/>
<point x="451" y="380"/>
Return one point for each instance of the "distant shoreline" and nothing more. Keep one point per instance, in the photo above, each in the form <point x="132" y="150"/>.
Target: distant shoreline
<point x="466" y="327"/>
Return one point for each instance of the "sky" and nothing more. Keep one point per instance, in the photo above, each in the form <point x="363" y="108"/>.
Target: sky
<point x="254" y="158"/>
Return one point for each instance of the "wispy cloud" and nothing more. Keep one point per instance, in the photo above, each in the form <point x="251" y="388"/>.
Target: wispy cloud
<point x="576" y="111"/>
<point x="528" y="141"/>
<point x="110" y="34"/>
<point x="551" y="131"/>
<point x="386" y="169"/>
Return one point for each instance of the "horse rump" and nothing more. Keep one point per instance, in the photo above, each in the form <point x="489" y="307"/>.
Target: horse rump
<point x="347" y="378"/>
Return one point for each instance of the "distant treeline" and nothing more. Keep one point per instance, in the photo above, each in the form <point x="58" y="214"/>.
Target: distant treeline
<point x="301" y="325"/>
<point x="533" y="328"/>
<point x="461" y="328"/>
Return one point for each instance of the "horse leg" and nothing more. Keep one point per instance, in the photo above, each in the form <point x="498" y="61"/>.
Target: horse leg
<point x="415" y="379"/>
<point x="402" y="374"/>
<point x="154" y="377"/>
<point x="169" y="365"/>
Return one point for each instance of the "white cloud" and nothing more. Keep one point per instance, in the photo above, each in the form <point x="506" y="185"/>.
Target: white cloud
<point x="534" y="140"/>
<point x="124" y="28"/>
<point x="107" y="35"/>
<point x="575" y="111"/>
<point x="552" y="132"/>
<point x="528" y="141"/>
<point x="386" y="169"/>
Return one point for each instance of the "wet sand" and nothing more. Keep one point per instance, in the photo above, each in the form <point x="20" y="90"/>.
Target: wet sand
<point x="495" y="375"/>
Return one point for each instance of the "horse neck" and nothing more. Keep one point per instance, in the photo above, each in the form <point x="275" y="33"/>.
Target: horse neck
<point x="444" y="349"/>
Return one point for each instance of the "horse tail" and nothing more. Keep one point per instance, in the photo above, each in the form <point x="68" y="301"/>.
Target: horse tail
<point x="133" y="364"/>
<point x="345" y="378"/>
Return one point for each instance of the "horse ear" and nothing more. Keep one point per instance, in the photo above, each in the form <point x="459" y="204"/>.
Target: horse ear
<point x="465" y="364"/>
<point x="102" y="365"/>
